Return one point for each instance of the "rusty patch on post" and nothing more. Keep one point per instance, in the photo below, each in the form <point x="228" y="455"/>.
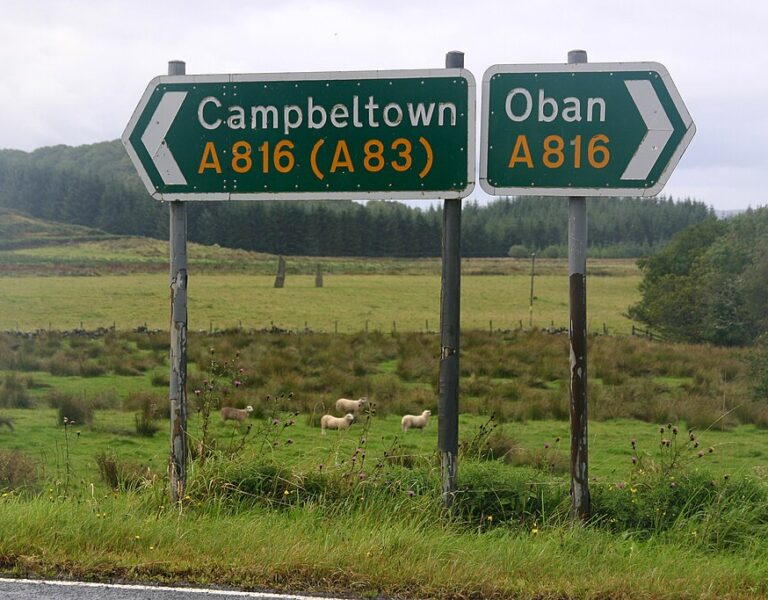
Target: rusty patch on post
<point x="580" y="507"/>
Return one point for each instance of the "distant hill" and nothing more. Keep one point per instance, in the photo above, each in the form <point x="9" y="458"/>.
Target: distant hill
<point x="96" y="186"/>
<point x="22" y="231"/>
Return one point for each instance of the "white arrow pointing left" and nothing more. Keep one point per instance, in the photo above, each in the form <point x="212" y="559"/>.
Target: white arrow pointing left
<point x="659" y="129"/>
<point x="154" y="138"/>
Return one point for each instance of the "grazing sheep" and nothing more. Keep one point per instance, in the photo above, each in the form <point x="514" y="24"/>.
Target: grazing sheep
<point x="344" y="405"/>
<point x="331" y="422"/>
<point x="414" y="421"/>
<point x="235" y="414"/>
<point x="7" y="421"/>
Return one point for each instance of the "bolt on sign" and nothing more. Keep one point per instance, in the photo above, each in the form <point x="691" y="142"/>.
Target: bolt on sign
<point x="589" y="129"/>
<point x="356" y="135"/>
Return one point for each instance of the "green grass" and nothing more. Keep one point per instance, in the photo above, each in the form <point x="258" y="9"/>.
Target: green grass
<point x="298" y="515"/>
<point x="364" y="552"/>
<point x="346" y="304"/>
<point x="739" y="451"/>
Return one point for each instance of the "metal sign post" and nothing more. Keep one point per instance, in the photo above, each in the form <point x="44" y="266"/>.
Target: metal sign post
<point x="577" y="336"/>
<point x="178" y="354"/>
<point x="450" y="300"/>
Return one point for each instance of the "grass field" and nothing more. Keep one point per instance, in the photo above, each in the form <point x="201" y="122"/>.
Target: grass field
<point x="279" y="506"/>
<point x="738" y="451"/>
<point x="63" y="278"/>
<point x="345" y="303"/>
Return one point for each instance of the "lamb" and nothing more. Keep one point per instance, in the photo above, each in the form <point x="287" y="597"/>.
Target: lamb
<point x="414" y="421"/>
<point x="344" y="405"/>
<point x="235" y="414"/>
<point x="331" y="422"/>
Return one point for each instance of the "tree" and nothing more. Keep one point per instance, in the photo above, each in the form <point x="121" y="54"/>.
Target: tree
<point x="710" y="282"/>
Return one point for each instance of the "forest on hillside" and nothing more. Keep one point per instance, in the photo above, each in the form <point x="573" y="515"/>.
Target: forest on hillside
<point x="95" y="185"/>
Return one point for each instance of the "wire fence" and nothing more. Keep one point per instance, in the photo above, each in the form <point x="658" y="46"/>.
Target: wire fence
<point x="332" y="327"/>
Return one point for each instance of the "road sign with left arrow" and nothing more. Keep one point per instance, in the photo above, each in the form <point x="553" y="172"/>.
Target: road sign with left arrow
<point x="591" y="129"/>
<point x="359" y="135"/>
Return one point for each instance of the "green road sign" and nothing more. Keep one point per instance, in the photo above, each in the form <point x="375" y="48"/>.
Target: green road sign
<point x="590" y="129"/>
<point x="355" y="135"/>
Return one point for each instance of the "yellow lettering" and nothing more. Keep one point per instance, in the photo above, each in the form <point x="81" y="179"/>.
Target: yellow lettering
<point x="341" y="158"/>
<point x="210" y="159"/>
<point x="521" y="153"/>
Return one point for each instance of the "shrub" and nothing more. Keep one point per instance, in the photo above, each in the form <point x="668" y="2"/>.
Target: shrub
<point x="160" y="380"/>
<point x="145" y="424"/>
<point x="518" y="251"/>
<point x="17" y="470"/>
<point x="156" y="405"/>
<point x="13" y="392"/>
<point x="489" y="493"/>
<point x="554" y="252"/>
<point x="717" y="513"/>
<point x="123" y="475"/>
<point x="76" y="410"/>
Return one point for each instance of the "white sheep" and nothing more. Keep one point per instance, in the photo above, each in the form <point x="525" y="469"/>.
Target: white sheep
<point x="344" y="405"/>
<point x="415" y="421"/>
<point x="331" y="422"/>
<point x="235" y="414"/>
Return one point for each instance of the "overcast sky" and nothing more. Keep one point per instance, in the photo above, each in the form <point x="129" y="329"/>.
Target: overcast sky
<point x="73" y="70"/>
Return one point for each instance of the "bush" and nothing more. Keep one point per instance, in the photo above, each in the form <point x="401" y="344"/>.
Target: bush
<point x="554" y="252"/>
<point x="718" y="513"/>
<point x="155" y="405"/>
<point x="518" y="251"/>
<point x="13" y="392"/>
<point x="17" y="470"/>
<point x="76" y="410"/>
<point x="491" y="493"/>
<point x="123" y="475"/>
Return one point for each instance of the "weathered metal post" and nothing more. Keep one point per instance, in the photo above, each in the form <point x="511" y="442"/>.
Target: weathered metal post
<point x="577" y="272"/>
<point x="450" y="296"/>
<point x="178" y="375"/>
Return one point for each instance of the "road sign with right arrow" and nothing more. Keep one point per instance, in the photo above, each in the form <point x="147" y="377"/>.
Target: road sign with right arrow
<point x="591" y="129"/>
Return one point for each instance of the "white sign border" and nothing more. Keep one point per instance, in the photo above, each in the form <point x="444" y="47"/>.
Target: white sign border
<point x="301" y="77"/>
<point x="582" y="68"/>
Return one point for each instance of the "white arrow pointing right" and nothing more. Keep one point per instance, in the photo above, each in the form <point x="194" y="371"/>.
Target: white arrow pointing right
<point x="154" y="138"/>
<point x="659" y="129"/>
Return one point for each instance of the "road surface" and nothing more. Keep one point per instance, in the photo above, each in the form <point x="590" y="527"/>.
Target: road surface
<point x="28" y="589"/>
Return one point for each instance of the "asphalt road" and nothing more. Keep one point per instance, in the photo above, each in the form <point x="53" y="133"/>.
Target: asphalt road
<point x="26" y="589"/>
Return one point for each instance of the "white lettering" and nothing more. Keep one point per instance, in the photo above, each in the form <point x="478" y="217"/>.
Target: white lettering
<point x="313" y="109"/>
<point x="289" y="123"/>
<point x="236" y="118"/>
<point x="355" y="117"/>
<point x="338" y="112"/>
<point x="571" y="110"/>
<point x="371" y="106"/>
<point x="446" y="106"/>
<point x="517" y="118"/>
<point x="421" y="114"/>
<point x="201" y="113"/>
<point x="361" y="114"/>
<point x="543" y="103"/>
<point x="264" y="112"/>
<point x="591" y="103"/>
<point x="390" y="122"/>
